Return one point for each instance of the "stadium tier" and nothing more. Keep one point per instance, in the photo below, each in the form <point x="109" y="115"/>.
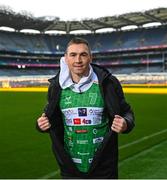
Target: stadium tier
<point x="141" y="50"/>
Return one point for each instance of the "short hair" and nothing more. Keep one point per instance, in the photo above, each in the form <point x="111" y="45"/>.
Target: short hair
<point x="78" y="40"/>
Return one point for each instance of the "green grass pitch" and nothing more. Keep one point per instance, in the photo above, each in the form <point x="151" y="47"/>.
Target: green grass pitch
<point x="26" y="153"/>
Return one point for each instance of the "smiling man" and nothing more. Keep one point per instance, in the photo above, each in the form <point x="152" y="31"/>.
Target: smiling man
<point x="85" y="112"/>
<point x="78" y="59"/>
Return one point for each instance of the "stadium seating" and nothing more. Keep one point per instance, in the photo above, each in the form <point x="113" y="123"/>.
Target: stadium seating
<point x="104" y="42"/>
<point x="122" y="52"/>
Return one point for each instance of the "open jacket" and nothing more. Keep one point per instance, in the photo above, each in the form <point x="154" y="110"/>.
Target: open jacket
<point x="105" y="161"/>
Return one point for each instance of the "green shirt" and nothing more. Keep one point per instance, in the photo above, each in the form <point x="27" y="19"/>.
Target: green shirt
<point x="84" y="123"/>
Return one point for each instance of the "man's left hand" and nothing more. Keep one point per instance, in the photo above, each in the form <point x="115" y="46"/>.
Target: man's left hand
<point x="119" y="124"/>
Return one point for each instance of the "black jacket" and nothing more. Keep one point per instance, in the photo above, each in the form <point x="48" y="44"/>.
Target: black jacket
<point x="105" y="161"/>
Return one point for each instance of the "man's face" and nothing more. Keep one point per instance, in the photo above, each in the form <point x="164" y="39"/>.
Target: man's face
<point x="78" y="59"/>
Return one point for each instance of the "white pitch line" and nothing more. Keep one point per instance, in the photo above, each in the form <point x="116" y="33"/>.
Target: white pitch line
<point x="143" y="152"/>
<point x="142" y="139"/>
<point x="50" y="174"/>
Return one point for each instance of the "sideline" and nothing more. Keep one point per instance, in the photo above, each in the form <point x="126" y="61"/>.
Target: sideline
<point x="25" y="89"/>
<point x="50" y="174"/>
<point x="145" y="90"/>
<point x="142" y="139"/>
<point x="132" y="90"/>
<point x="143" y="152"/>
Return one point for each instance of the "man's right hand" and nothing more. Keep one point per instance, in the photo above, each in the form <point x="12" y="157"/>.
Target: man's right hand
<point x="43" y="122"/>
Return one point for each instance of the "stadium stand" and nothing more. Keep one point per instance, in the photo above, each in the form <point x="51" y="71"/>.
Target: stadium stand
<point x="141" y="50"/>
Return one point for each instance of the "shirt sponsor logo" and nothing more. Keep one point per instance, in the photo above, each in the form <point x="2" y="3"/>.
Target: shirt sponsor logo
<point x="83" y="153"/>
<point x="82" y="111"/>
<point x="97" y="140"/>
<point x="77" y="121"/>
<point x="69" y="137"/>
<point x="90" y="160"/>
<point x="97" y="120"/>
<point x="76" y="160"/>
<point x="86" y="121"/>
<point x="82" y="141"/>
<point x="94" y="131"/>
<point x="70" y="142"/>
<point x="69" y="112"/>
<point x="68" y="121"/>
<point x="68" y="100"/>
<point x="96" y="112"/>
<point x="69" y="133"/>
<point x="81" y="131"/>
<point x="70" y="129"/>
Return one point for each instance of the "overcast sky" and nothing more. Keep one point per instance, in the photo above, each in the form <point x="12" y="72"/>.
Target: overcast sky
<point x="81" y="9"/>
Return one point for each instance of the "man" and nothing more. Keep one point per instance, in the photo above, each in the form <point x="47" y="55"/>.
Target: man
<point x="85" y="112"/>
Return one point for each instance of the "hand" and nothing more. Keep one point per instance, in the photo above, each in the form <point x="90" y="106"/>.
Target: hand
<point x="43" y="122"/>
<point x="119" y="124"/>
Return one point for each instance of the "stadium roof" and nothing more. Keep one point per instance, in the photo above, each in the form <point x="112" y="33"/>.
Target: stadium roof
<point x="19" y="21"/>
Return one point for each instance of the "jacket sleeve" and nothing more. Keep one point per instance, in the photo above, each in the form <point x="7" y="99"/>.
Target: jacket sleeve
<point x="125" y="109"/>
<point x="44" y="111"/>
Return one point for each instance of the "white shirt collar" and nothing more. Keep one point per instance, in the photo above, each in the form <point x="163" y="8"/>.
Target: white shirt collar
<point x="65" y="80"/>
